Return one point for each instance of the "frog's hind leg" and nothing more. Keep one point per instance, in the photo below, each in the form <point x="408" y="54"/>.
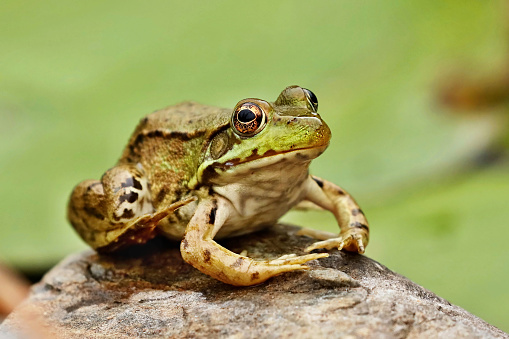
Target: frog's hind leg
<point x="200" y="250"/>
<point x="116" y="211"/>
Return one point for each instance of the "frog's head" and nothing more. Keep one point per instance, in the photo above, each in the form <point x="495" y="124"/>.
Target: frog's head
<point x="261" y="133"/>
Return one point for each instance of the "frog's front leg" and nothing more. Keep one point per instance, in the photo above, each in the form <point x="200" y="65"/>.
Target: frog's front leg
<point x="354" y="234"/>
<point x="117" y="211"/>
<point x="200" y="250"/>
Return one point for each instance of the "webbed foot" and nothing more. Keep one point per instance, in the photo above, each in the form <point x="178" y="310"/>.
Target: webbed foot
<point x="352" y="240"/>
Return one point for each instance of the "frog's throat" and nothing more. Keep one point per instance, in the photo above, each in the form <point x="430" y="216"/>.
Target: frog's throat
<point x="254" y="161"/>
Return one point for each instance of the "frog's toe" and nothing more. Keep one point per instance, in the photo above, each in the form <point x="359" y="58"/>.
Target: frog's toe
<point x="286" y="256"/>
<point x="353" y="242"/>
<point x="360" y="243"/>
<point x="326" y="244"/>
<point x="293" y="259"/>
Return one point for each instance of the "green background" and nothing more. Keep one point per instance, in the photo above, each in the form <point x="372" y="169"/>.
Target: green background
<point x="75" y="78"/>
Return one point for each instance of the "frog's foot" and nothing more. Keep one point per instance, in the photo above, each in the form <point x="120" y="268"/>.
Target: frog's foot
<point x="354" y="235"/>
<point x="254" y="272"/>
<point x="139" y="230"/>
<point x="351" y="240"/>
<point x="200" y="250"/>
<point x="153" y="219"/>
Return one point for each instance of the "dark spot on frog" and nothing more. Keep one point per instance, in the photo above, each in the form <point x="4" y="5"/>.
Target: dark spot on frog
<point x="206" y="256"/>
<point x="212" y="215"/>
<point x="238" y="262"/>
<point x="140" y="138"/>
<point x="156" y="133"/>
<point x="130" y="197"/>
<point x="144" y="120"/>
<point x="359" y="225"/>
<point x="132" y="182"/>
<point x="318" y="181"/>
<point x="255" y="275"/>
<point x="209" y="173"/>
<point x="160" y="195"/>
<point x="94" y="212"/>
<point x="128" y="213"/>
<point x="340" y="191"/>
<point x="137" y="184"/>
<point x="178" y="194"/>
<point x="357" y="211"/>
<point x="185" y="243"/>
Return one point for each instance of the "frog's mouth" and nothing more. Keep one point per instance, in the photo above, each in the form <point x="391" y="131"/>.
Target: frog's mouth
<point x="294" y="158"/>
<point x="256" y="160"/>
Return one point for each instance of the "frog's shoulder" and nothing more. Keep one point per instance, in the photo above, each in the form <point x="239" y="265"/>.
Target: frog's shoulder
<point x="186" y="117"/>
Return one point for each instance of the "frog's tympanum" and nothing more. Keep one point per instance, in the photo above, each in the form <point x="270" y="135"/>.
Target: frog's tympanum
<point x="196" y="173"/>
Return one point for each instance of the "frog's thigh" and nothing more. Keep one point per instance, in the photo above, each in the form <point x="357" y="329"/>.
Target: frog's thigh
<point x="102" y="211"/>
<point x="354" y="234"/>
<point x="200" y="250"/>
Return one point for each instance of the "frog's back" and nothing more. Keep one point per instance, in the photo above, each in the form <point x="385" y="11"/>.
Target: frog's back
<point x="170" y="145"/>
<point x="186" y="117"/>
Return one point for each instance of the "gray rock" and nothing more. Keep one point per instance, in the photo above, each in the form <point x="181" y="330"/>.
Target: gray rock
<point x="149" y="292"/>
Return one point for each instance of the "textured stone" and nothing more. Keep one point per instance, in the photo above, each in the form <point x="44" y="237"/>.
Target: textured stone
<point x="149" y="292"/>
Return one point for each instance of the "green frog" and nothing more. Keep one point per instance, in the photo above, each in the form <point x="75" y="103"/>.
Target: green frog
<point x="196" y="173"/>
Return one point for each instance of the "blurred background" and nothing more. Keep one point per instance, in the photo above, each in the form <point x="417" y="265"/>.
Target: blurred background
<point x="415" y="93"/>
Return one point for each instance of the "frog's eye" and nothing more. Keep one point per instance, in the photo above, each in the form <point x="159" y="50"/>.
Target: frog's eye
<point x="248" y="119"/>
<point x="312" y="99"/>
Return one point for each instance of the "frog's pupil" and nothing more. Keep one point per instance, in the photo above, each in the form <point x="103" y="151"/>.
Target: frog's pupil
<point x="246" y="115"/>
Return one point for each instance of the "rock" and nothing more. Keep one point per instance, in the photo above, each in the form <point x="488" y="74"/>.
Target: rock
<point x="150" y="292"/>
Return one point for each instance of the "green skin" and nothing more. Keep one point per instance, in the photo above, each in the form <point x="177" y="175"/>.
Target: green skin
<point x="194" y="173"/>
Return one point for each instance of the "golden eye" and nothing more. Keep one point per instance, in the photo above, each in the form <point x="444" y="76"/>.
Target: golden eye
<point x="248" y="119"/>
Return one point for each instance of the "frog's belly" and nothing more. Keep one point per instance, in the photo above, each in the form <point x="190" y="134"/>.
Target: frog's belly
<point x="260" y="200"/>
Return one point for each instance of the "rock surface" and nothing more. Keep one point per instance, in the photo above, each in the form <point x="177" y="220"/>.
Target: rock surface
<point x="149" y="292"/>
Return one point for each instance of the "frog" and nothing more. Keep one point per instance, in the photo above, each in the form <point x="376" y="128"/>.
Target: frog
<point x="196" y="174"/>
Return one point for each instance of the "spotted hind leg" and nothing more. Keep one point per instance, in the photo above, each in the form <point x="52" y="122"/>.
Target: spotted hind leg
<point x="116" y="211"/>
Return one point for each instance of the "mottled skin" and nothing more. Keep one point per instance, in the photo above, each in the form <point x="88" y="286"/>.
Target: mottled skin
<point x="195" y="173"/>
